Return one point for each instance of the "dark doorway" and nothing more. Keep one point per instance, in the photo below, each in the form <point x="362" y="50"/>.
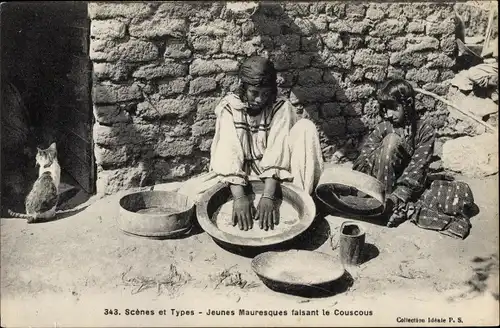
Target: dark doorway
<point x="46" y="76"/>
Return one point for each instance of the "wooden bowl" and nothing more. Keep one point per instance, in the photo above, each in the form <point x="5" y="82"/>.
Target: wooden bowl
<point x="155" y="214"/>
<point x="298" y="271"/>
<point x="297" y="212"/>
<point x="351" y="205"/>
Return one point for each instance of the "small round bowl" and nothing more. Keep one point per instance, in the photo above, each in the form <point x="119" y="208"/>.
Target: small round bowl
<point x="155" y="214"/>
<point x="338" y="175"/>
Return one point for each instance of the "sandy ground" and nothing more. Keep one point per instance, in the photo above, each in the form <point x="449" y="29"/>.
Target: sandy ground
<point x="70" y="271"/>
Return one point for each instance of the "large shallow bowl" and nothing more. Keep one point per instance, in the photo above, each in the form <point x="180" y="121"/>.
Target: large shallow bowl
<point x="155" y="214"/>
<point x="290" y="196"/>
<point x="299" y="271"/>
<point x="337" y="175"/>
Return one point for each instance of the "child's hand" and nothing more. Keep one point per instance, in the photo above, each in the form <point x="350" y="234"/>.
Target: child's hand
<point x="243" y="211"/>
<point x="267" y="214"/>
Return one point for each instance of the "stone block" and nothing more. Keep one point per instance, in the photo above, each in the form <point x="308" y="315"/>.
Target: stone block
<point x="247" y="28"/>
<point x="424" y="103"/>
<point x="165" y="108"/>
<point x="205" y="67"/>
<point x="310" y="76"/>
<point x="334" y="127"/>
<point x="177" y="49"/>
<point x="112" y="181"/>
<point x="397" y="44"/>
<point x="305" y="27"/>
<point x="332" y="40"/>
<point x="374" y="12"/>
<point x="318" y="8"/>
<point x="439" y="60"/>
<point x="174" y="147"/>
<point x="111" y="157"/>
<point x="216" y="28"/>
<point x="438" y="88"/>
<point x="369" y="57"/>
<point x="446" y="74"/>
<point x="287" y="42"/>
<point x="201" y="85"/>
<point x="423" y="43"/>
<point x="449" y="46"/>
<point x="332" y="77"/>
<point x="137" y="51"/>
<point x="286" y="79"/>
<point x="353" y="42"/>
<point x="107" y="29"/>
<point x="375" y="73"/>
<point x="228" y="83"/>
<point x="355" y="126"/>
<point x="155" y="71"/>
<point x="320" y="23"/>
<point x="206" y="107"/>
<point x="112" y="71"/>
<point x="352" y="27"/>
<point x="395" y="73"/>
<point x="335" y="9"/>
<point x="444" y="27"/>
<point x="190" y="10"/>
<point x="371" y="108"/>
<point x="266" y="26"/>
<point x="206" y="44"/>
<point x="394" y="10"/>
<point x="131" y="51"/>
<point x="297" y="8"/>
<point x="330" y="109"/>
<point x="205" y="144"/>
<point x="408" y="59"/>
<point x="472" y="156"/>
<point x="389" y="27"/>
<point x="180" y="129"/>
<point x="158" y="27"/>
<point x="203" y="127"/>
<point x="419" y="10"/>
<point x="416" y="27"/>
<point x="285" y="61"/>
<point x="311" y="44"/>
<point x="355" y="93"/>
<point x="320" y="93"/>
<point x="357" y="75"/>
<point x="172" y="87"/>
<point x="108" y="93"/>
<point x="354" y="109"/>
<point x="110" y="114"/>
<point x="357" y="10"/>
<point x="327" y="58"/>
<point x="104" y="10"/>
<point x="422" y="75"/>
<point x="374" y="43"/>
<point x="124" y="134"/>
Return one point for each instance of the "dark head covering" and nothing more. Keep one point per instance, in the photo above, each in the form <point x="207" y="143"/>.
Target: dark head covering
<point x="258" y="71"/>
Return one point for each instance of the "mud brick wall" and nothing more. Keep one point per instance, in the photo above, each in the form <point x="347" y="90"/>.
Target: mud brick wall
<point x="160" y="68"/>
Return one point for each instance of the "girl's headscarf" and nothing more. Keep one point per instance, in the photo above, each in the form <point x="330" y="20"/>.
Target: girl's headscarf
<point x="258" y="71"/>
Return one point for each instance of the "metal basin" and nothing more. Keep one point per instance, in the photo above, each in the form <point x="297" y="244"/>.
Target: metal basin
<point x="297" y="212"/>
<point x="155" y="214"/>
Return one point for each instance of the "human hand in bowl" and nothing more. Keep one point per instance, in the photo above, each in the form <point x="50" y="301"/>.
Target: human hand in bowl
<point x="267" y="213"/>
<point x="243" y="212"/>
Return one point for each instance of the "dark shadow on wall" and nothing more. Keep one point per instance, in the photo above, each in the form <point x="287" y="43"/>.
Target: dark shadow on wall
<point x="311" y="75"/>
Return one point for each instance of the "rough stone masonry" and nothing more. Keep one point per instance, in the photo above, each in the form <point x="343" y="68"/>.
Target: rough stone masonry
<point x="159" y="69"/>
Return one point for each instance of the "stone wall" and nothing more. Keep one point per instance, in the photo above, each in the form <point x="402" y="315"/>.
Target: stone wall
<point x="160" y="68"/>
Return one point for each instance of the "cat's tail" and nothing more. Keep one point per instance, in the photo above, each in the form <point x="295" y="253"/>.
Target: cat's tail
<point x="19" y="215"/>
